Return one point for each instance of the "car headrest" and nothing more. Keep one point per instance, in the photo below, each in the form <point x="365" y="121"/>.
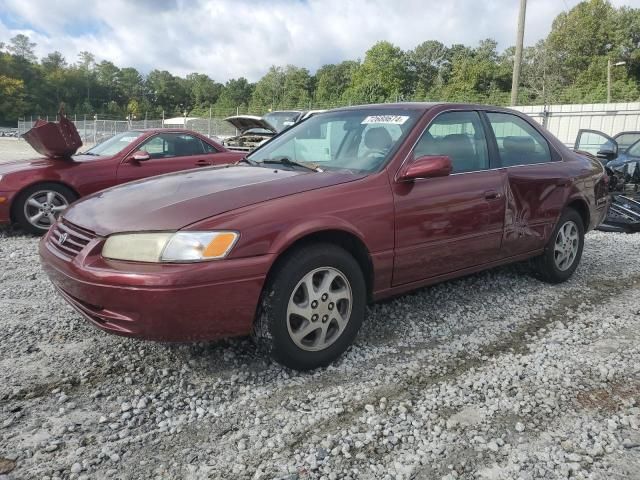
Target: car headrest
<point x="377" y="138"/>
<point x="519" y="144"/>
<point x="458" y="144"/>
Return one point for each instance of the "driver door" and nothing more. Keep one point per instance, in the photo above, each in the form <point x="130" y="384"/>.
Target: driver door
<point x="596" y="143"/>
<point x="455" y="222"/>
<point x="169" y="152"/>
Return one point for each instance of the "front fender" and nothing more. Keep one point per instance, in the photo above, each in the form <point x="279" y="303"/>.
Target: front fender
<point x="313" y="226"/>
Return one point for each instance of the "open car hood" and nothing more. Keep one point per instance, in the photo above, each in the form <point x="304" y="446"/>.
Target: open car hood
<point x="248" y="122"/>
<point x="54" y="139"/>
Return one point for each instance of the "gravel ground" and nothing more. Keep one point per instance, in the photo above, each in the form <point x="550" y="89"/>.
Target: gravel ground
<point x="494" y="376"/>
<point x="18" y="149"/>
<point x="15" y="149"/>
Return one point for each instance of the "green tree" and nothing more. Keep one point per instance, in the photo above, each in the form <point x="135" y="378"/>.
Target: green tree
<point x="382" y="76"/>
<point x="129" y="84"/>
<point x="168" y="92"/>
<point x="203" y="91"/>
<point x="426" y="63"/>
<point x="22" y="46"/>
<point x="236" y="94"/>
<point x="11" y="99"/>
<point x="269" y="91"/>
<point x="297" y="88"/>
<point x="332" y="81"/>
<point x="107" y="78"/>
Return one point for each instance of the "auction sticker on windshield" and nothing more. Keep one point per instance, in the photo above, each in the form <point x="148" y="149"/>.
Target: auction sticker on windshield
<point x="393" y="119"/>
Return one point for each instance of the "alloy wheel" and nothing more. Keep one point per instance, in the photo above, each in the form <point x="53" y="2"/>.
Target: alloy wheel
<point x="43" y="207"/>
<point x="566" y="245"/>
<point x="319" y="309"/>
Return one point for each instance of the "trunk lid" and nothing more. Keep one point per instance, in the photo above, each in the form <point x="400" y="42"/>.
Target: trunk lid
<point x="54" y="139"/>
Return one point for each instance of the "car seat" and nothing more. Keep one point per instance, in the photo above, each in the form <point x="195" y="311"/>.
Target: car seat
<point x="377" y="140"/>
<point x="459" y="147"/>
<point x="517" y="150"/>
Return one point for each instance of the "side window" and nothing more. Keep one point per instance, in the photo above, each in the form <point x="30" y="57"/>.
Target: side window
<point x="518" y="142"/>
<point x="634" y="150"/>
<point x="155" y="147"/>
<point x="625" y="140"/>
<point x="186" y="145"/>
<point x="460" y="136"/>
<point x="208" y="148"/>
<point x="168" y="145"/>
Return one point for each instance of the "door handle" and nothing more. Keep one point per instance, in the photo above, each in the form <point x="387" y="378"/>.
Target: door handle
<point x="202" y="163"/>
<point x="492" y="195"/>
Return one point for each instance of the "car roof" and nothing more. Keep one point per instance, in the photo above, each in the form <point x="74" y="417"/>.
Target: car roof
<point x="423" y="106"/>
<point x="161" y="130"/>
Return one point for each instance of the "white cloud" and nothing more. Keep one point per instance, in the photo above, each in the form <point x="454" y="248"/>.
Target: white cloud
<point x="231" y="38"/>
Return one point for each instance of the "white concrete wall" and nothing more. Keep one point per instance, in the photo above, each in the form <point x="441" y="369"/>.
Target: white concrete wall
<point x="564" y="121"/>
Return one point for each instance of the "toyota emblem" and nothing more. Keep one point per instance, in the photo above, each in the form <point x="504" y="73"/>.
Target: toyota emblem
<point x="62" y="238"/>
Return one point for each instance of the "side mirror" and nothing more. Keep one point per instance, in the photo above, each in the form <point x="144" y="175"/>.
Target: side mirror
<point x="140" y="156"/>
<point x="607" y="153"/>
<point x="429" y="166"/>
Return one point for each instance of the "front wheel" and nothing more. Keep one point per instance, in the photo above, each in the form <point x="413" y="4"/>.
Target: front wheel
<point x="312" y="307"/>
<point x="564" y="250"/>
<point x="38" y="207"/>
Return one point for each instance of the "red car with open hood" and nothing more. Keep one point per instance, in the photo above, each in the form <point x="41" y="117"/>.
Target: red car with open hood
<point x="34" y="192"/>
<point x="350" y="206"/>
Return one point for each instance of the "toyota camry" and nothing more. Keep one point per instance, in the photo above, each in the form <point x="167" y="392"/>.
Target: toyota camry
<point x="348" y="207"/>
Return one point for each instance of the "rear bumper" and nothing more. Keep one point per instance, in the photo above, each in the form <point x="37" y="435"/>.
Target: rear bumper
<point x="5" y="206"/>
<point x="175" y="303"/>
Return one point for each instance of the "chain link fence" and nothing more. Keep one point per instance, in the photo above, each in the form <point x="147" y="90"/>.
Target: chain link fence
<point x="564" y="121"/>
<point x="95" y="130"/>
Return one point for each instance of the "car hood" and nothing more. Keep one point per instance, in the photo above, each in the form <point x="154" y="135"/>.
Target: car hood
<point x="248" y="122"/>
<point x="173" y="201"/>
<point x="43" y="162"/>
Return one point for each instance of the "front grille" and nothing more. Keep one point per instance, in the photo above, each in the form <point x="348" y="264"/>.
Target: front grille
<point x="69" y="238"/>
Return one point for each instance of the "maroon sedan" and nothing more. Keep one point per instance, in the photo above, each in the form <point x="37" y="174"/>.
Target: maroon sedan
<point x="347" y="207"/>
<point x="33" y="193"/>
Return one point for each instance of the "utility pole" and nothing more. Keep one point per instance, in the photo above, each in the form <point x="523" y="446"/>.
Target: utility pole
<point x="518" y="59"/>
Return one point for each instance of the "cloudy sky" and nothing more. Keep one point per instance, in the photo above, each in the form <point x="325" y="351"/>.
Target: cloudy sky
<point x="232" y="38"/>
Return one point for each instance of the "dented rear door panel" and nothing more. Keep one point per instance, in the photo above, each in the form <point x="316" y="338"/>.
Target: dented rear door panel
<point x="535" y="196"/>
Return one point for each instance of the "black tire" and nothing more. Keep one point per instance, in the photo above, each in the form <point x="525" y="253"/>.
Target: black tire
<point x="545" y="265"/>
<point x="18" y="208"/>
<point x="271" y="327"/>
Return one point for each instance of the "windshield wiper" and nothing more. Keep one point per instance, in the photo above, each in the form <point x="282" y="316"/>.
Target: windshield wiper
<point x="246" y="160"/>
<point x="90" y="153"/>
<point x="289" y="163"/>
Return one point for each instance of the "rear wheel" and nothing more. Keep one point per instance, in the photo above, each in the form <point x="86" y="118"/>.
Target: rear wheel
<point x="38" y="207"/>
<point x="312" y="307"/>
<point x="564" y="250"/>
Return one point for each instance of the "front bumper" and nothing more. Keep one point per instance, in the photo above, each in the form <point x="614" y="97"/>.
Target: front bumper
<point x="162" y="302"/>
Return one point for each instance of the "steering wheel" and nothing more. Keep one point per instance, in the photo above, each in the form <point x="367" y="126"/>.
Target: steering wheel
<point x="374" y="159"/>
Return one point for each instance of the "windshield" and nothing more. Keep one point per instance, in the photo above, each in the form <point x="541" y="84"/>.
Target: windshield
<point x="113" y="145"/>
<point x="281" y="120"/>
<point x="356" y="140"/>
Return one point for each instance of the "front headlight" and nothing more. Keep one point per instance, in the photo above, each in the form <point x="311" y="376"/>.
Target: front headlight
<point x="169" y="247"/>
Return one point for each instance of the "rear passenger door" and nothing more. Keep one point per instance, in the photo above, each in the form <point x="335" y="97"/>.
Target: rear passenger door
<point x="449" y="223"/>
<point x="536" y="183"/>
